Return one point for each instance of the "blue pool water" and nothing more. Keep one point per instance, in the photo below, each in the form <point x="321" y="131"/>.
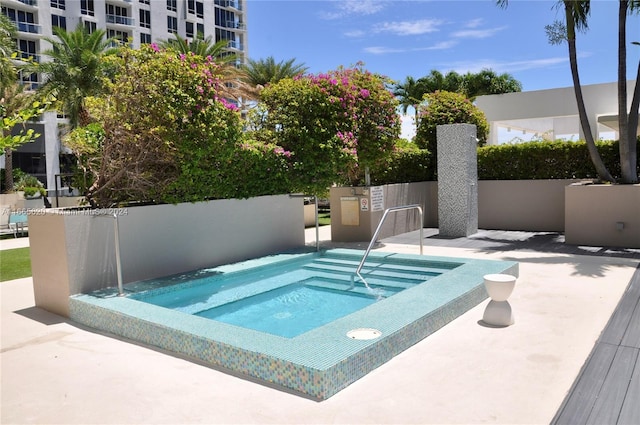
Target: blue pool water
<point x="291" y="297"/>
<point x="291" y="310"/>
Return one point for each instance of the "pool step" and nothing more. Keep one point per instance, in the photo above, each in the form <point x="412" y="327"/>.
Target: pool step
<point x="400" y="266"/>
<point x="371" y="271"/>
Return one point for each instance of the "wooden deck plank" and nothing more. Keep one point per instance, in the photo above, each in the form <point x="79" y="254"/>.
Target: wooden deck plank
<point x="583" y="395"/>
<point x="632" y="335"/>
<point x="607" y="407"/>
<point x="623" y="317"/>
<point x="630" y="414"/>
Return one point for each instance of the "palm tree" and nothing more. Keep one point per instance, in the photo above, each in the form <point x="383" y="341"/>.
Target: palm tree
<point x="75" y="71"/>
<point x="627" y="124"/>
<point x="264" y="71"/>
<point x="488" y="82"/>
<point x="410" y="93"/>
<point x="7" y="48"/>
<point x="202" y="47"/>
<point x="576" y="14"/>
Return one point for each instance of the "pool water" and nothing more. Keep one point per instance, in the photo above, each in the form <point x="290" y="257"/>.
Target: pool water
<point x="292" y="297"/>
<point x="291" y="310"/>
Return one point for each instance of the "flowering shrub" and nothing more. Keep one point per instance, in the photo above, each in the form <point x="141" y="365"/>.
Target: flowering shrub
<point x="330" y="126"/>
<point x="168" y="134"/>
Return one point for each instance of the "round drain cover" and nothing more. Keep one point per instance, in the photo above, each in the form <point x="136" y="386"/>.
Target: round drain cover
<point x="364" y="333"/>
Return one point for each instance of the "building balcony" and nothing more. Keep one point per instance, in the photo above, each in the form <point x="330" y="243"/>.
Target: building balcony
<point x="33" y="3"/>
<point x="120" y="20"/>
<point x="231" y="4"/>
<point x="29" y="27"/>
<point x="235" y="45"/>
<point x="235" y="25"/>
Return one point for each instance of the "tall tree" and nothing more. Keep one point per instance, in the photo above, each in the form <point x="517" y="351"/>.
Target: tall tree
<point x="202" y="47"/>
<point x="75" y="71"/>
<point x="627" y="124"/>
<point x="7" y="49"/>
<point x="576" y="14"/>
<point x="488" y="82"/>
<point x="264" y="71"/>
<point x="409" y="93"/>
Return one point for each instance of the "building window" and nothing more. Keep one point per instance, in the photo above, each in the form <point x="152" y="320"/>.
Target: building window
<point x="189" y="27"/>
<point x="24" y="20"/>
<point x="172" y="24"/>
<point x="199" y="9"/>
<point x="27" y="49"/>
<point x="121" y="36"/>
<point x="145" y="1"/>
<point x="145" y="38"/>
<point x="90" y="26"/>
<point x="172" y="5"/>
<point x="58" y="4"/>
<point x="29" y="80"/>
<point x="191" y="6"/>
<point x="87" y="7"/>
<point x="145" y="18"/>
<point x="59" y="21"/>
<point x="200" y="31"/>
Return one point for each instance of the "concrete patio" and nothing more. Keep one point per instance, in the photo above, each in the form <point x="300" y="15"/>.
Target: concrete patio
<point x="54" y="371"/>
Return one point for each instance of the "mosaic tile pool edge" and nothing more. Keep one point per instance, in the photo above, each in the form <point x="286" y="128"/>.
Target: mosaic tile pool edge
<point x="312" y="382"/>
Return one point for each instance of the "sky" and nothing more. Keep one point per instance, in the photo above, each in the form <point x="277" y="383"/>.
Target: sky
<point x="412" y="37"/>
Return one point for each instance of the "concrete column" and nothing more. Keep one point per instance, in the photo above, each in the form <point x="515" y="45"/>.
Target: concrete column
<point x="457" y="180"/>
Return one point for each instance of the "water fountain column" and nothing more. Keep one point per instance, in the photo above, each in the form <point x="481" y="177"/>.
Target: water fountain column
<point x="457" y="180"/>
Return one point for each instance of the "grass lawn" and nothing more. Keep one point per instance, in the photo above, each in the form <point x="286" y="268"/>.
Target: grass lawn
<point x="324" y="219"/>
<point x="14" y="264"/>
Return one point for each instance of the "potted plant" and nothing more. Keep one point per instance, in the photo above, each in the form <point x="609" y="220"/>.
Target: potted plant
<point x="29" y="185"/>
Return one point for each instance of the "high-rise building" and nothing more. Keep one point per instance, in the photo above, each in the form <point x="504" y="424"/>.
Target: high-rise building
<point x="137" y="21"/>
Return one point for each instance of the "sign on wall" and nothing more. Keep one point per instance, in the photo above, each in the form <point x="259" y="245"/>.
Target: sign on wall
<point x="377" y="198"/>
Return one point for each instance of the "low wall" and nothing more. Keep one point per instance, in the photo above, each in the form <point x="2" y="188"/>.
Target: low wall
<point x="74" y="251"/>
<point x="353" y="221"/>
<point x="527" y="205"/>
<point x="603" y="215"/>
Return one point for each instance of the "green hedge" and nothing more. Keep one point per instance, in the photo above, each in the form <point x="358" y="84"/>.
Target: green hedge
<point x="524" y="161"/>
<point x="404" y="167"/>
<point x="545" y="160"/>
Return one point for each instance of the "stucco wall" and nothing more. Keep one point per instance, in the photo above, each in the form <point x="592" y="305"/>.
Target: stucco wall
<point x="76" y="253"/>
<point x="527" y="205"/>
<point x="603" y="215"/>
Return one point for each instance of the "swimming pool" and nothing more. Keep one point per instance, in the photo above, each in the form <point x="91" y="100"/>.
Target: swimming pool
<point x="293" y="296"/>
<point x="412" y="297"/>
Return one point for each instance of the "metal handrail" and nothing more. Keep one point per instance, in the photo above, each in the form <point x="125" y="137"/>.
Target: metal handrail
<point x="375" y="236"/>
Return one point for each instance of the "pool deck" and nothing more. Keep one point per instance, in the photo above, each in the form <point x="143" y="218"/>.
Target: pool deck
<point x="55" y="371"/>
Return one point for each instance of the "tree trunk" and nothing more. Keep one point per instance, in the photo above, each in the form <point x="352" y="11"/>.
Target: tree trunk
<point x="633" y="128"/>
<point x="601" y="169"/>
<point x="8" y="170"/>
<point x="627" y="165"/>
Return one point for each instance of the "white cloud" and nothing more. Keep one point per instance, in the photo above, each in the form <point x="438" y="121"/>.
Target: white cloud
<point x="509" y="67"/>
<point x="355" y="7"/>
<point x="379" y="50"/>
<point x="355" y="33"/>
<point x="474" y="23"/>
<point x="478" y="33"/>
<point x="421" y="26"/>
